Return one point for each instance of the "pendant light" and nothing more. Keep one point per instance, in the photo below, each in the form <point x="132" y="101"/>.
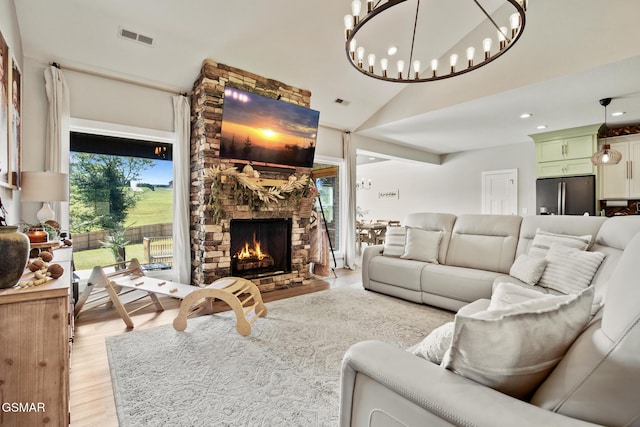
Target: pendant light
<point x="606" y="155"/>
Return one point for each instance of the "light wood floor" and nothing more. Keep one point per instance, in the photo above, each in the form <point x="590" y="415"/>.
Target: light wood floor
<point x="92" y="401"/>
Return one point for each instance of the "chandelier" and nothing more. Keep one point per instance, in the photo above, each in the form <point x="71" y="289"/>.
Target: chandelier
<point x="410" y="68"/>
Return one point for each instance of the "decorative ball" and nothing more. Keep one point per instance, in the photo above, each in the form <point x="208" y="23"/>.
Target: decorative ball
<point x="36" y="265"/>
<point x="247" y="170"/>
<point x="34" y="253"/>
<point x="292" y="178"/>
<point x="67" y="242"/>
<point x="256" y="174"/>
<point x="46" y="256"/>
<point x="56" y="270"/>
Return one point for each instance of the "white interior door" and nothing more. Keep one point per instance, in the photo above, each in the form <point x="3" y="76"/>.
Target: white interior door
<point x="500" y="192"/>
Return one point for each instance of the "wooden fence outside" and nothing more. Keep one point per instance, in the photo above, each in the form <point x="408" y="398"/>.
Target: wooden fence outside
<point x="85" y="241"/>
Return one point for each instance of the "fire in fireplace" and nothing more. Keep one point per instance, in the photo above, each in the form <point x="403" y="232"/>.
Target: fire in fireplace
<point x="260" y="247"/>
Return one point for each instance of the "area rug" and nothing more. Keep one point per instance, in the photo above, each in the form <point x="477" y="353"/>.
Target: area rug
<point x="285" y="373"/>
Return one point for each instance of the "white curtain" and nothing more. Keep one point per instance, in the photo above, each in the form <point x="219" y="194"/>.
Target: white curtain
<point x="57" y="146"/>
<point x="350" y="226"/>
<point x="181" y="188"/>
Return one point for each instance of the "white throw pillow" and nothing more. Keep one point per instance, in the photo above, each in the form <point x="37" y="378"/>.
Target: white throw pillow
<point x="394" y="241"/>
<point x="569" y="270"/>
<point x="436" y="344"/>
<point x="422" y="245"/>
<point x="506" y="295"/>
<point x="528" y="269"/>
<point x="514" y="349"/>
<point x="543" y="240"/>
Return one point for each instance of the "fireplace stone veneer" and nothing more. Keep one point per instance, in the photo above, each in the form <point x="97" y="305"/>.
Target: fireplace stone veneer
<point x="211" y="250"/>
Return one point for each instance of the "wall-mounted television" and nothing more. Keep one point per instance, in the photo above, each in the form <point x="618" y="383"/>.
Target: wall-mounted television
<point x="266" y="131"/>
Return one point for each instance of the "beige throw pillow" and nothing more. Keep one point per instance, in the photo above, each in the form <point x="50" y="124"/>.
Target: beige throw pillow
<point x="569" y="270"/>
<point x="422" y="245"/>
<point x="436" y="344"/>
<point x="394" y="241"/>
<point x="543" y="240"/>
<point x="514" y="349"/>
<point x="528" y="269"/>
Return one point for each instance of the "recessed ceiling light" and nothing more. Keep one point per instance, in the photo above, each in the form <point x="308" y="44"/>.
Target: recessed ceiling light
<point x="542" y="126"/>
<point x="525" y="115"/>
<point x="618" y="113"/>
<point x="392" y="50"/>
<point x="372" y="158"/>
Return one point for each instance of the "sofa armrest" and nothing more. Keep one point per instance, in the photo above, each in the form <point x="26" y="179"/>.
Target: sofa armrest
<point x="421" y="390"/>
<point x="368" y="253"/>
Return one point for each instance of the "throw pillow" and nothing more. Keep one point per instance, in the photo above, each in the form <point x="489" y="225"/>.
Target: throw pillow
<point x="543" y="240"/>
<point x="528" y="269"/>
<point x="436" y="344"/>
<point x="569" y="270"/>
<point x="394" y="241"/>
<point x="422" y="245"/>
<point x="507" y="295"/>
<point x="514" y="349"/>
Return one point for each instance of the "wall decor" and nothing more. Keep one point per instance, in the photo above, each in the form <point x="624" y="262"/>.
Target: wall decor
<point x="391" y="194"/>
<point x="4" y="116"/>
<point x="15" y="129"/>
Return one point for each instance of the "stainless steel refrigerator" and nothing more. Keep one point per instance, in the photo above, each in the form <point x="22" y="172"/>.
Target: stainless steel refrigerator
<point x="572" y="195"/>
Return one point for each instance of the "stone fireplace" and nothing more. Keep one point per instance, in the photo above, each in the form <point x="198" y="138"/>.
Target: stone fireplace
<point x="214" y="235"/>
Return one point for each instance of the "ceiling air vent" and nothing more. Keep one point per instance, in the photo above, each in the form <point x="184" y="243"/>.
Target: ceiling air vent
<point x="132" y="35"/>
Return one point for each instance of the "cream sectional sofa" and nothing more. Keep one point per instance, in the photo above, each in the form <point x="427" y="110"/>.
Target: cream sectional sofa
<point x="597" y="381"/>
<point x="475" y="251"/>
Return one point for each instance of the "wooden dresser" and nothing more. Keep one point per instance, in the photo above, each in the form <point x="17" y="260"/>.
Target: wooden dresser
<point x="36" y="328"/>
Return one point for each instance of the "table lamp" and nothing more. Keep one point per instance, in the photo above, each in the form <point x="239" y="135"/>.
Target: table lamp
<point x="45" y="187"/>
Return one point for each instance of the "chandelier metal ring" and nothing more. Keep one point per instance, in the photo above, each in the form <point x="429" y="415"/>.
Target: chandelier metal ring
<point x="353" y="23"/>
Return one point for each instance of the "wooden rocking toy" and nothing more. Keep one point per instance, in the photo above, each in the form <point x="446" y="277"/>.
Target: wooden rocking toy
<point x="230" y="290"/>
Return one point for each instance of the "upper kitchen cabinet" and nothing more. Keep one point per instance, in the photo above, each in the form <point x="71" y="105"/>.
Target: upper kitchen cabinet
<point x="622" y="181"/>
<point x="566" y="152"/>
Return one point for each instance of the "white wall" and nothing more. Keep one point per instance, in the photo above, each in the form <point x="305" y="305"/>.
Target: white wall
<point x="454" y="186"/>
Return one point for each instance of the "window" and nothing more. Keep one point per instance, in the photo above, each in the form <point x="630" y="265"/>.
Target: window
<point x="121" y="201"/>
<point x="327" y="180"/>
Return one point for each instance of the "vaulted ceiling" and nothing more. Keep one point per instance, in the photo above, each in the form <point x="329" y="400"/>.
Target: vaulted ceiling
<point x="572" y="53"/>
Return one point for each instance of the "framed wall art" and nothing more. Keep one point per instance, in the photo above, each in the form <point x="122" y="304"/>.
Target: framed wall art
<point x="5" y="178"/>
<point x="15" y="125"/>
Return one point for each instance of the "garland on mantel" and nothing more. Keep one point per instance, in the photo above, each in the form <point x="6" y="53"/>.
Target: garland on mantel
<point x="247" y="190"/>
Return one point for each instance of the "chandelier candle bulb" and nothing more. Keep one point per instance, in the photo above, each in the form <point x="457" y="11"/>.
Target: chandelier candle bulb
<point x="384" y="64"/>
<point x="434" y="67"/>
<point x="400" y="65"/>
<point x="416" y="68"/>
<point x="370" y="6"/>
<point x="360" y="53"/>
<point x="514" y="20"/>
<point x="502" y="37"/>
<point x="356" y="7"/>
<point x="486" y="45"/>
<point x="372" y="61"/>
<point x="471" y="51"/>
<point x="352" y="49"/>
<point x="453" y="60"/>
<point x="348" y="25"/>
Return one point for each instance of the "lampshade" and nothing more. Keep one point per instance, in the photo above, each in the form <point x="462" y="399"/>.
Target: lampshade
<point x="606" y="156"/>
<point x="44" y="187"/>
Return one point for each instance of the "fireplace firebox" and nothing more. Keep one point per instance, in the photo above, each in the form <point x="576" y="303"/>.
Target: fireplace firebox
<point x="260" y="247"/>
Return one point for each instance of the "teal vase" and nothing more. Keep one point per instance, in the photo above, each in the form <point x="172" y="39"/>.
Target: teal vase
<point x="14" y="250"/>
